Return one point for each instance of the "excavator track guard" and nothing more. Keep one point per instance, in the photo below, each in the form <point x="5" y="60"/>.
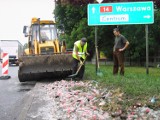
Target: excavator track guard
<point x="44" y="66"/>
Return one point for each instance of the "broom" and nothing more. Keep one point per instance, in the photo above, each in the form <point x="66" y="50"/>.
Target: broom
<point x="74" y="75"/>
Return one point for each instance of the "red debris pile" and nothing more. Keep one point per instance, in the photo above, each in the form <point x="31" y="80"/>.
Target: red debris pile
<point x="87" y="101"/>
<point x="77" y="100"/>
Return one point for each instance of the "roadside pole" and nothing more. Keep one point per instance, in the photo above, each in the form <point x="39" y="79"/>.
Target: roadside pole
<point x="147" y="58"/>
<point x="96" y="47"/>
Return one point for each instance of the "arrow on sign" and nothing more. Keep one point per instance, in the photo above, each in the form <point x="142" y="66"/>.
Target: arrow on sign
<point x="147" y="16"/>
<point x="93" y="10"/>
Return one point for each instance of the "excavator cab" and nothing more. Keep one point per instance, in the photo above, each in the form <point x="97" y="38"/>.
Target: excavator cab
<point x="44" y="56"/>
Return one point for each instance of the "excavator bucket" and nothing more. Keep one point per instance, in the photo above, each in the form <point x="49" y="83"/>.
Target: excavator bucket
<point x="44" y="66"/>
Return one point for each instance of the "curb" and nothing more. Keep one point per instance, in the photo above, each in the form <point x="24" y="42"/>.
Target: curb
<point x="27" y="104"/>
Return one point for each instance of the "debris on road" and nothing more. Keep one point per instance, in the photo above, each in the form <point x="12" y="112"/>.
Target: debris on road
<point x="79" y="100"/>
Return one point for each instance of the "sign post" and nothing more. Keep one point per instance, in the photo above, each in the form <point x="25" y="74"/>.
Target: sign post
<point x="147" y="56"/>
<point x="96" y="48"/>
<point x="96" y="41"/>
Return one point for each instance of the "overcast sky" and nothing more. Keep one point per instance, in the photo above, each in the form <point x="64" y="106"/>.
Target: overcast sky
<point x="14" y="14"/>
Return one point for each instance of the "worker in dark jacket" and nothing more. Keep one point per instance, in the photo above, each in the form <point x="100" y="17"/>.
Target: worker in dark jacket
<point x="79" y="55"/>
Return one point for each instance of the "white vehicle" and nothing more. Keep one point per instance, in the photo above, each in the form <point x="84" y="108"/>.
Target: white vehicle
<point x="14" y="48"/>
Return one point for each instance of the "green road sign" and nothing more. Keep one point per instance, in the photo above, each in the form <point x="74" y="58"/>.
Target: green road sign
<point x="121" y="13"/>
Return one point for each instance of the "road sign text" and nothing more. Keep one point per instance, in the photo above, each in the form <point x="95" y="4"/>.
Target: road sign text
<point x="106" y="9"/>
<point x="121" y="13"/>
<point x="132" y="9"/>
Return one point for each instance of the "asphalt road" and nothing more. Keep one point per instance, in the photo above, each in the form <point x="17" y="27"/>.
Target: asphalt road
<point x="13" y="94"/>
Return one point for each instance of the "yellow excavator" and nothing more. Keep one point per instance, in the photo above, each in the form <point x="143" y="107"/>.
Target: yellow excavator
<point x="46" y="56"/>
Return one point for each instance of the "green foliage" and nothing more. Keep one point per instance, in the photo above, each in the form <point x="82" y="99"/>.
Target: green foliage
<point x="68" y="16"/>
<point x="155" y="28"/>
<point x="136" y="36"/>
<point x="105" y="39"/>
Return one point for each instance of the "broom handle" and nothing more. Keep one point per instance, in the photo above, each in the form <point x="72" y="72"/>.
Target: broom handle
<point x="81" y="65"/>
<point x="97" y="56"/>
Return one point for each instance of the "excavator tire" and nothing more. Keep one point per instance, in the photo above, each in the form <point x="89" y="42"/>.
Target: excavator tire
<point x="33" y="68"/>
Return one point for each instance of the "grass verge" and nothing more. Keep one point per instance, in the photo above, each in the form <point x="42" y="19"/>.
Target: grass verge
<point x="135" y="84"/>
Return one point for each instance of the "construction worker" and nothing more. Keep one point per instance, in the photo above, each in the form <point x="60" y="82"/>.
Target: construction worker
<point x="79" y="55"/>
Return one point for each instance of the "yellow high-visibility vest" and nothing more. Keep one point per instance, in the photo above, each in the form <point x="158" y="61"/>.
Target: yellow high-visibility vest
<point x="81" y="50"/>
